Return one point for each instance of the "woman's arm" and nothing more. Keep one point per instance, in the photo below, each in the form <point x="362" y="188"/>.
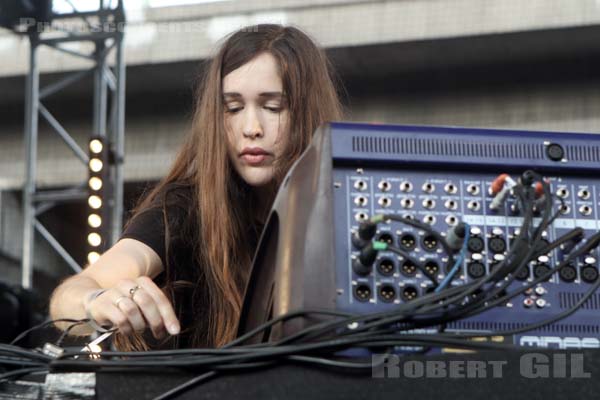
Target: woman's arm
<point x="129" y="263"/>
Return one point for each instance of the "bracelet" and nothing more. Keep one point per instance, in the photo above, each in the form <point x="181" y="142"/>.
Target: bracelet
<point x="91" y="321"/>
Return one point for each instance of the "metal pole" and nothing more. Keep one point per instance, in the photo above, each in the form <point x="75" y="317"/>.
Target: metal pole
<point x="56" y="246"/>
<point x="31" y="136"/>
<point x="100" y="91"/>
<point x="100" y="115"/>
<point x="36" y="203"/>
<point x="64" y="135"/>
<point x="119" y="142"/>
<point x="1" y="217"/>
<point x="52" y="88"/>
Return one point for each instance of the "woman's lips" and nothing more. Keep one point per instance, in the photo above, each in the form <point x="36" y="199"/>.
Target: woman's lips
<point x="254" y="159"/>
<point x="254" y="156"/>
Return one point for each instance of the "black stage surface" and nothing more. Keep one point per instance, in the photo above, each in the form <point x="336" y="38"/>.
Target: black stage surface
<point x="573" y="374"/>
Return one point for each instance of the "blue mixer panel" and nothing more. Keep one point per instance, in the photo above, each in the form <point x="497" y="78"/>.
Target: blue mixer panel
<point x="442" y="176"/>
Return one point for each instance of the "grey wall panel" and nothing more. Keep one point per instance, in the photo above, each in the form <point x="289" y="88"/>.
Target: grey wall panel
<point x="151" y="142"/>
<point x="569" y="108"/>
<point x="191" y="32"/>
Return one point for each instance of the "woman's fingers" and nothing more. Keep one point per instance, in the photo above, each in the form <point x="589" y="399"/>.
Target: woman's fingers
<point x="130" y="309"/>
<point x="149" y="309"/>
<point x="107" y="314"/>
<point x="127" y="304"/>
<point x="133" y="314"/>
<point x="120" y="320"/>
<point x="163" y="305"/>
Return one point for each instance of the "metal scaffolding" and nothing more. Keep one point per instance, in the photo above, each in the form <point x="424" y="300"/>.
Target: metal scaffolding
<point x="105" y="29"/>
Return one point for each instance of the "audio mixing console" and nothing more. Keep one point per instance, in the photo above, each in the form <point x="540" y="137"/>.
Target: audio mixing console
<point x="480" y="215"/>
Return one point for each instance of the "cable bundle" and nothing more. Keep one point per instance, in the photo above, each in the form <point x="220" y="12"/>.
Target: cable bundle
<point x="417" y="324"/>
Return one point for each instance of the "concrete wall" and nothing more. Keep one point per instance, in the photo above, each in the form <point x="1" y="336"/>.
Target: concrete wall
<point x="191" y="32"/>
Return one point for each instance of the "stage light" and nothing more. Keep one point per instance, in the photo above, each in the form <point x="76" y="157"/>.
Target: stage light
<point x="96" y="146"/>
<point x="94" y="220"/>
<point x="96" y="165"/>
<point x="95" y="183"/>
<point x="95" y="202"/>
<point x="94" y="239"/>
<point x="98" y="189"/>
<point x="93" y="257"/>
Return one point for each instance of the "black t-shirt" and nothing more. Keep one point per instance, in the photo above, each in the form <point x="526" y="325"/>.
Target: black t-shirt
<point x="148" y="226"/>
<point x="179" y="257"/>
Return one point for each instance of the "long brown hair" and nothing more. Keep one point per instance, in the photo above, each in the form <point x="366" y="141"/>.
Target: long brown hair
<point x="224" y="202"/>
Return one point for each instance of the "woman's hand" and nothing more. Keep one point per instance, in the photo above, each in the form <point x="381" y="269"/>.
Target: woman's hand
<point x="134" y="305"/>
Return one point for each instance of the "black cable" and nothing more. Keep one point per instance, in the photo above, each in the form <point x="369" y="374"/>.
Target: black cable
<point x="246" y="365"/>
<point x="269" y="353"/>
<point x="522" y="234"/>
<point x="19" y="361"/>
<point x="405" y="309"/>
<point x="282" y="318"/>
<point x="537" y="236"/>
<point x="572" y="234"/>
<point x="333" y="363"/>
<point x="592" y="242"/>
<point x="32" y="355"/>
<point x="186" y="385"/>
<point x="41" y="326"/>
<point x="396" y="318"/>
<point x="506" y="266"/>
<point x="68" y="330"/>
<point x="491" y="302"/>
<point x="542" y="323"/>
<point x="22" y="371"/>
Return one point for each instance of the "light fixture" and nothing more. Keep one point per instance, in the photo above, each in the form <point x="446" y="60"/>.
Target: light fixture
<point x="95" y="183"/>
<point x="92" y="257"/>
<point x="94" y="220"/>
<point x="94" y="239"/>
<point x="98" y="190"/>
<point x="95" y="202"/>
<point x="96" y="165"/>
<point x="96" y="146"/>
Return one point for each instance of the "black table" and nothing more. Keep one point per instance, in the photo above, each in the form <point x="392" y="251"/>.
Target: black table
<point x="527" y="374"/>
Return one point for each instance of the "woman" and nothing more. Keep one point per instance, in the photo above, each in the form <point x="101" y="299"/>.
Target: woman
<point x="181" y="266"/>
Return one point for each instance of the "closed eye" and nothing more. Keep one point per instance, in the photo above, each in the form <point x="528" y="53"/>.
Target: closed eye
<point x="274" y="109"/>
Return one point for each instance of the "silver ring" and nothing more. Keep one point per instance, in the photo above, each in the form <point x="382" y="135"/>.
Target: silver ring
<point x="132" y="291"/>
<point x="120" y="299"/>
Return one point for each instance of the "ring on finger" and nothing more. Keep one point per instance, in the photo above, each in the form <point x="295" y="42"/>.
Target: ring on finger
<point x="120" y="299"/>
<point x="132" y="291"/>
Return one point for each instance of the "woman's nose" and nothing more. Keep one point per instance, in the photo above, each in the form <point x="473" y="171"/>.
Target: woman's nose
<point x="252" y="127"/>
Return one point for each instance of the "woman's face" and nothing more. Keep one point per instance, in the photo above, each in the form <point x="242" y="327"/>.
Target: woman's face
<point x="256" y="118"/>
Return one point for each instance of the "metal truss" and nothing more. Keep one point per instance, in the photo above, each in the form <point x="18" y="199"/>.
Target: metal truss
<point x="105" y="31"/>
